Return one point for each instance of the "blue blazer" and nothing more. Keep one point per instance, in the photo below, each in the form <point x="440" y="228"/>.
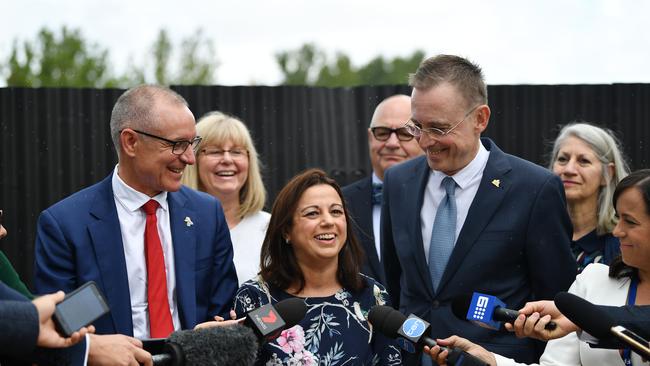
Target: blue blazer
<point x="358" y="197"/>
<point x="78" y="239"/>
<point x="514" y="244"/>
<point x="20" y="326"/>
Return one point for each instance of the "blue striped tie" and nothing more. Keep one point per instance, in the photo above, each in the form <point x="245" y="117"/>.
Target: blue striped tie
<point x="443" y="234"/>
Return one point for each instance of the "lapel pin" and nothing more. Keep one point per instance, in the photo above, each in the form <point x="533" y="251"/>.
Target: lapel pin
<point x="496" y="182"/>
<point x="188" y="221"/>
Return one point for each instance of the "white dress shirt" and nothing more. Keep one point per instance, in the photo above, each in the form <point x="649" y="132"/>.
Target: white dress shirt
<point x="376" y="219"/>
<point x="133" y="220"/>
<point x="467" y="181"/>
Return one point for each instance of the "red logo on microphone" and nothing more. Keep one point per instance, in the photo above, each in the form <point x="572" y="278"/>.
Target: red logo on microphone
<point x="271" y="318"/>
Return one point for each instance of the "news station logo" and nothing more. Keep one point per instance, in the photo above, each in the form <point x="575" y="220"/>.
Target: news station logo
<point x="413" y="327"/>
<point x="481" y="306"/>
<point x="266" y="320"/>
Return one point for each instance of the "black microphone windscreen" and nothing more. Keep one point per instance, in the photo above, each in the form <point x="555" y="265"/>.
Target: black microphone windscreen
<point x="386" y="320"/>
<point x="584" y="314"/>
<point x="217" y="346"/>
<point x="460" y="305"/>
<point x="292" y="311"/>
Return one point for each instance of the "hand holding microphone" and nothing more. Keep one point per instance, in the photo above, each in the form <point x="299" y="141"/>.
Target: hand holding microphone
<point x="411" y="334"/>
<point x="536" y="320"/>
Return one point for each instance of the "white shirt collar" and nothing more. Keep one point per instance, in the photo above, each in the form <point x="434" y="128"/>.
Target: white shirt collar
<point x="131" y="199"/>
<point x="464" y="176"/>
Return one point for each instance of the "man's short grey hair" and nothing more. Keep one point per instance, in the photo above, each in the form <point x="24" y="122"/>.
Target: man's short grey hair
<point x="455" y="70"/>
<point x="134" y="109"/>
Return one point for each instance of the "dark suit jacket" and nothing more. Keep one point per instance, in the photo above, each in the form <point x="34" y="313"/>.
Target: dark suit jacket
<point x="78" y="240"/>
<point x="20" y="326"/>
<point x="514" y="244"/>
<point x="358" y="197"/>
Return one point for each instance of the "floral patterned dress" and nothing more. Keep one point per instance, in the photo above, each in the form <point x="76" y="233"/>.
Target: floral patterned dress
<point x="334" y="331"/>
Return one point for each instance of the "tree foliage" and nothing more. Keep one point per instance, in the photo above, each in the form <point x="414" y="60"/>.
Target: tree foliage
<point x="63" y="60"/>
<point x="309" y="65"/>
<point x="68" y="60"/>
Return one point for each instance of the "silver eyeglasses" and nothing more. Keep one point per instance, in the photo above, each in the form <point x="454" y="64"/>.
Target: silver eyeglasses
<point x="178" y="146"/>
<point x="416" y="129"/>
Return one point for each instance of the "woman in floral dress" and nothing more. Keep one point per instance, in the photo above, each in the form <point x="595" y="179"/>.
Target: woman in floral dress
<point x="310" y="252"/>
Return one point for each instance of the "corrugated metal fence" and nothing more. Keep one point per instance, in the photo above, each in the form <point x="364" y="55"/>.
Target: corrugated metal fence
<point x="55" y="141"/>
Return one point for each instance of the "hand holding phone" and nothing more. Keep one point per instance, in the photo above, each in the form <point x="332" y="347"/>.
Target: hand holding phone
<point x="80" y="308"/>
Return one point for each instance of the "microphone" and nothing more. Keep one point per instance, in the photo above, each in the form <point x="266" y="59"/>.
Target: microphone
<point x="215" y="346"/>
<point x="411" y="334"/>
<point x="486" y="311"/>
<point x="264" y="323"/>
<point x="269" y="321"/>
<point x="595" y="321"/>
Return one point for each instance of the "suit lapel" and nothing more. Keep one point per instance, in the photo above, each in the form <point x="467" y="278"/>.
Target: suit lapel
<point x="364" y="206"/>
<point x="109" y="253"/>
<point x="414" y="200"/>
<point x="493" y="188"/>
<point x="182" y="218"/>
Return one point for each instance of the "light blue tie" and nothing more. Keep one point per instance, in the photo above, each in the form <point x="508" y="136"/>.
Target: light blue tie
<point x="443" y="234"/>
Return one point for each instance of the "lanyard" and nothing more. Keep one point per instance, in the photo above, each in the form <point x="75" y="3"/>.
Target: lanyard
<point x="631" y="298"/>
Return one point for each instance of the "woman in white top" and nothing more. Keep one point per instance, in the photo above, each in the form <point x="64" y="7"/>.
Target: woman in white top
<point x="227" y="167"/>
<point x="625" y="282"/>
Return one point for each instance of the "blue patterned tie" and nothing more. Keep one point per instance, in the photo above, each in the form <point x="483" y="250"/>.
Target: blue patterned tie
<point x="443" y="234"/>
<point x="377" y="189"/>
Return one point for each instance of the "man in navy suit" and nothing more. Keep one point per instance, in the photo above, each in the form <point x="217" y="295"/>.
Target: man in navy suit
<point x="468" y="217"/>
<point x="389" y="143"/>
<point x="98" y="234"/>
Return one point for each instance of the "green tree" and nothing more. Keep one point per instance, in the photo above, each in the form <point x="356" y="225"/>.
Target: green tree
<point x="57" y="60"/>
<point x="300" y="66"/>
<point x="196" y="65"/>
<point x="341" y="72"/>
<point x="68" y="60"/>
<point x="309" y="65"/>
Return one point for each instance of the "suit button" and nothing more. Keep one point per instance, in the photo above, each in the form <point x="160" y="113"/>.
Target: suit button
<point x="435" y="304"/>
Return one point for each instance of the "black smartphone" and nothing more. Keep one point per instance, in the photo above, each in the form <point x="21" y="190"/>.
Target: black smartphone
<point x="80" y="308"/>
<point x="635" y="341"/>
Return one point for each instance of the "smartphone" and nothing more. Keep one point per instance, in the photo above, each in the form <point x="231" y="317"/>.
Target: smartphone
<point x="80" y="308"/>
<point x="635" y="341"/>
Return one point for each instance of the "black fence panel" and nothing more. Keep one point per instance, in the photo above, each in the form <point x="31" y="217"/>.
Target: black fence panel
<point x="54" y="141"/>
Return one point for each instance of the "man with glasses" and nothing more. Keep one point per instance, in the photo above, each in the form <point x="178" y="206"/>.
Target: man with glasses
<point x="468" y="217"/>
<point x="160" y="252"/>
<point x="389" y="143"/>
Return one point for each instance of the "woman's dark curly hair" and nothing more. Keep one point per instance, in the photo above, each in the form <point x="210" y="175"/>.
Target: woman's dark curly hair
<point x="278" y="262"/>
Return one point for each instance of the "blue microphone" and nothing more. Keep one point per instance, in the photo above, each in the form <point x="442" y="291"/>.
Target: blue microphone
<point x="486" y="311"/>
<point x="412" y="334"/>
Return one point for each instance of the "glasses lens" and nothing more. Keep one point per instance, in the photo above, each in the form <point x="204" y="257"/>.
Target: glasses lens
<point x="381" y="133"/>
<point x="412" y="129"/>
<point x="403" y="134"/>
<point x="180" y="147"/>
<point x="195" y="143"/>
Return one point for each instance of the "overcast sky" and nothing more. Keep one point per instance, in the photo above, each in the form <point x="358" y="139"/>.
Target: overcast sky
<point x="515" y="41"/>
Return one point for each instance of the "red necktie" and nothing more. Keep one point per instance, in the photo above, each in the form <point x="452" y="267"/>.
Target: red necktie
<point x="160" y="318"/>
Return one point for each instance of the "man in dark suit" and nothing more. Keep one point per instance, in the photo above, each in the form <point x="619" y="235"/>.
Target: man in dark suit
<point x="468" y="217"/>
<point x="389" y="143"/>
<point x="160" y="252"/>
